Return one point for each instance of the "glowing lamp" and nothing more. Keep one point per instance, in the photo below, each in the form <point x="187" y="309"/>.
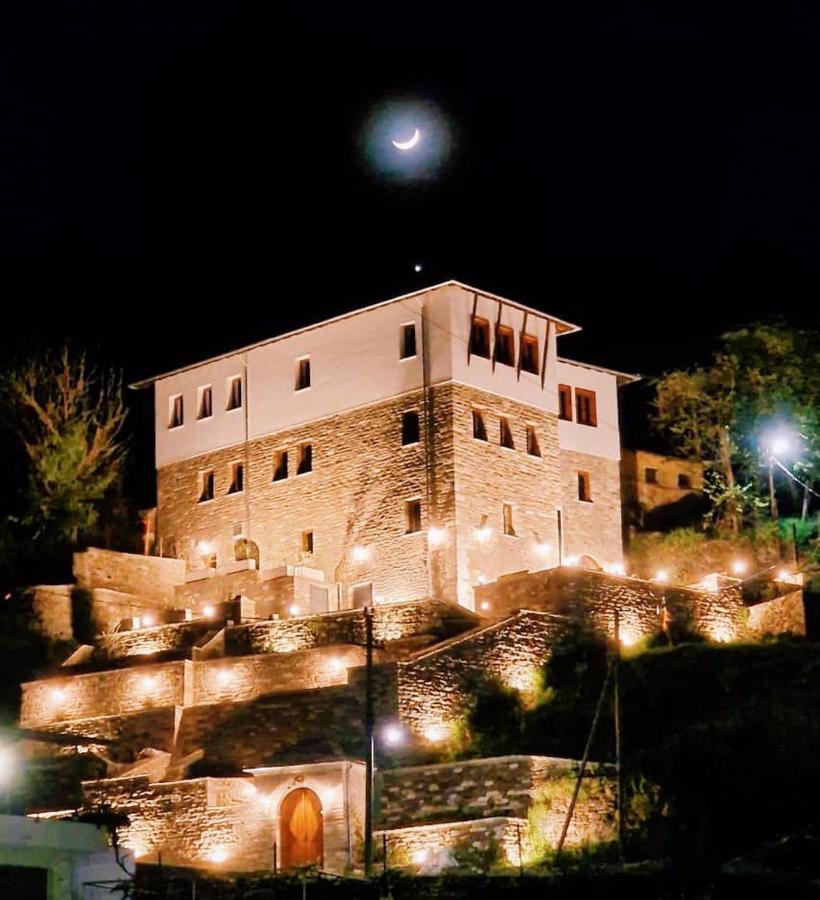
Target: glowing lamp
<point x="571" y="560"/>
<point x="337" y="665"/>
<point x="147" y="683"/>
<point x="205" y="548"/>
<point x="57" y="695"/>
<point x="294" y="610"/>
<point x="393" y="735"/>
<point x="435" y="733"/>
<point x="218" y="855"/>
<point x="783" y="575"/>
<point x="485" y="606"/>
<point x="208" y="611"/>
<point x="627" y="637"/>
<point x="436" y="536"/>
<point x="483" y="534"/>
<point x="148" y="620"/>
<point x="420" y="856"/>
<point x="224" y="677"/>
<point x="661" y="575"/>
<point x="360" y="553"/>
<point x="739" y="566"/>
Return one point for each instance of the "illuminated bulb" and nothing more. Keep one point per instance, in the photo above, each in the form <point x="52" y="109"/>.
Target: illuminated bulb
<point x="337" y="664"/>
<point x="393" y="735"/>
<point x="224" y="677"/>
<point x="739" y="566"/>
<point x="780" y="446"/>
<point x="435" y="733"/>
<point x="57" y="695"/>
<point x="148" y="683"/>
<point x="294" y="610"/>
<point x="360" y="553"/>
<point x="417" y="267"/>
<point x="218" y="855"/>
<point x="208" y="611"/>
<point x="615" y="569"/>
<point x="571" y="560"/>
<point x="543" y="549"/>
<point x="483" y="534"/>
<point x="485" y="605"/>
<point x="419" y="856"/>
<point x="436" y="536"/>
<point x="205" y="548"/>
<point x="628" y="637"/>
<point x="783" y="575"/>
<point x="148" y="620"/>
<point x="661" y="575"/>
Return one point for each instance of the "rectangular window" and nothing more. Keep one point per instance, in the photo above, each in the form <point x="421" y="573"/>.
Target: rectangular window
<point x="565" y="402"/>
<point x="234" y="392"/>
<point x="509" y="529"/>
<point x="302" y="373"/>
<point x="408" y="341"/>
<point x="650" y="475"/>
<point x="409" y="428"/>
<point x="280" y="465"/>
<point x="412" y="511"/>
<point x="684" y="481"/>
<point x="206" y="403"/>
<point x="206" y="485"/>
<point x="532" y="442"/>
<point x="175" y="411"/>
<point x="529" y="353"/>
<point x="585" y="407"/>
<point x="480" y="337"/>
<point x="504" y="345"/>
<point x="505" y="436"/>
<point x="307" y="542"/>
<point x="479" y="429"/>
<point x="584" y="490"/>
<point x="237" y="479"/>
<point x="305" y="463"/>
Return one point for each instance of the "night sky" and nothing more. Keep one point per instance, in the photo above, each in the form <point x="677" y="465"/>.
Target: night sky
<point x="177" y="181"/>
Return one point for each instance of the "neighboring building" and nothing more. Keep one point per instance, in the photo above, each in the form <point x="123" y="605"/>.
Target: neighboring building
<point x="650" y="480"/>
<point x="409" y="449"/>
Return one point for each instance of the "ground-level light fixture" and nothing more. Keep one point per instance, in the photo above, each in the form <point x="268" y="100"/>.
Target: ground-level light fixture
<point x="436" y="536"/>
<point x="739" y="566"/>
<point x="393" y="735"/>
<point x="294" y="610"/>
<point x="627" y="637"/>
<point x="148" y="683"/>
<point x="484" y="606"/>
<point x="661" y="575"/>
<point x="148" y="620"/>
<point x="436" y="733"/>
<point x="224" y="677"/>
<point x="208" y="611"/>
<point x="57" y="695"/>
<point x="205" y="548"/>
<point x="218" y="855"/>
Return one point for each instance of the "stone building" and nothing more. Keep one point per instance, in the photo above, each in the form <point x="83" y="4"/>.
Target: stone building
<point x="652" y="480"/>
<point x="428" y="464"/>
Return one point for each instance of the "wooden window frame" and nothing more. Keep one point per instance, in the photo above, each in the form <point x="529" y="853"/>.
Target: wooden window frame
<point x="584" y="487"/>
<point x="507" y="522"/>
<point x="565" y="402"/>
<point x="585" y="396"/>
<point x="504" y="338"/>
<point x="529" y="341"/>
<point x="479" y="322"/>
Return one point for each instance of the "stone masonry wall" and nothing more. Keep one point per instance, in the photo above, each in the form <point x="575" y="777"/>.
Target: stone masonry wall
<point x="783" y="615"/>
<point x="592" y="529"/>
<point x="433" y="685"/>
<point x="150" y="577"/>
<point x="52" y="606"/>
<point x="178" y="636"/>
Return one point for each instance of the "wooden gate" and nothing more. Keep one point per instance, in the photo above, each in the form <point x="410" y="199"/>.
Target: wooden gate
<point x="302" y="829"/>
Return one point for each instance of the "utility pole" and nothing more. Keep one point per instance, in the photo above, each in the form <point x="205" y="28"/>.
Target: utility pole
<point x="368" y="730"/>
<point x="616" y="664"/>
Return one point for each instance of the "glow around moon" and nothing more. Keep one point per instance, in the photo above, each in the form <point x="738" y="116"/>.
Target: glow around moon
<point x="409" y="143"/>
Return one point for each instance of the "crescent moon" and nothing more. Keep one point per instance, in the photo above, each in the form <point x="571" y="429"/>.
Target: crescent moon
<point x="408" y="144"/>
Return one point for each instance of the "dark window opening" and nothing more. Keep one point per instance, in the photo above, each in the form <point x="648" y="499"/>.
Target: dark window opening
<point x="408" y="341"/>
<point x="479" y="429"/>
<point x="585" y="407"/>
<point x="206" y="404"/>
<point x="409" y="428"/>
<point x="237" y="479"/>
<point x="532" y="442"/>
<point x="684" y="481"/>
<point x="305" y="463"/>
<point x="504" y="345"/>
<point x="529" y="353"/>
<point x="650" y="475"/>
<point x="565" y="402"/>
<point x="302" y="374"/>
<point x="508" y="520"/>
<point x="307" y="542"/>
<point x="506" y="437"/>
<point x="280" y="465"/>
<point x="207" y="486"/>
<point x="176" y="414"/>
<point x="480" y="337"/>
<point x="234" y="393"/>
<point x="584" y="490"/>
<point x="413" y="516"/>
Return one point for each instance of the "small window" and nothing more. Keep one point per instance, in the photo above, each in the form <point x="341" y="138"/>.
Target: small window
<point x="565" y="402"/>
<point x="509" y="529"/>
<point x="206" y="486"/>
<point x="585" y="411"/>
<point x="307" y="542"/>
<point x="479" y="429"/>
<point x="302" y="373"/>
<point x="504" y="345"/>
<point x="305" y="463"/>
<point x="480" y="337"/>
<point x="237" y="479"/>
<point x="529" y="353"/>
<point x="409" y="428"/>
<point x="584" y="490"/>
<point x="650" y="475"/>
<point x="684" y="481"/>
<point x="234" y="392"/>
<point x="175" y="411"/>
<point x="412" y="511"/>
<point x="408" y="341"/>
<point x="280" y="465"/>
<point x="532" y="442"/>
<point x="206" y="403"/>
<point x="505" y="436"/>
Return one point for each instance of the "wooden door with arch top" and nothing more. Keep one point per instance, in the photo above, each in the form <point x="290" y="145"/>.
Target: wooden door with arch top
<point x="301" y="829"/>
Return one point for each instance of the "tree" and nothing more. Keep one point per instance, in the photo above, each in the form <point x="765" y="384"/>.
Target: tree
<point x="68" y="418"/>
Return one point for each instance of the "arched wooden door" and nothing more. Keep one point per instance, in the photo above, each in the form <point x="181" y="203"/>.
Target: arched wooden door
<point x="302" y="829"/>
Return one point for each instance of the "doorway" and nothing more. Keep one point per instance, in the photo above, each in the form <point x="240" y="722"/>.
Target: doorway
<point x="301" y="829"/>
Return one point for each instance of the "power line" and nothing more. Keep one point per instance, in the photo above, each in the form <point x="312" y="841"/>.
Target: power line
<point x="793" y="477"/>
